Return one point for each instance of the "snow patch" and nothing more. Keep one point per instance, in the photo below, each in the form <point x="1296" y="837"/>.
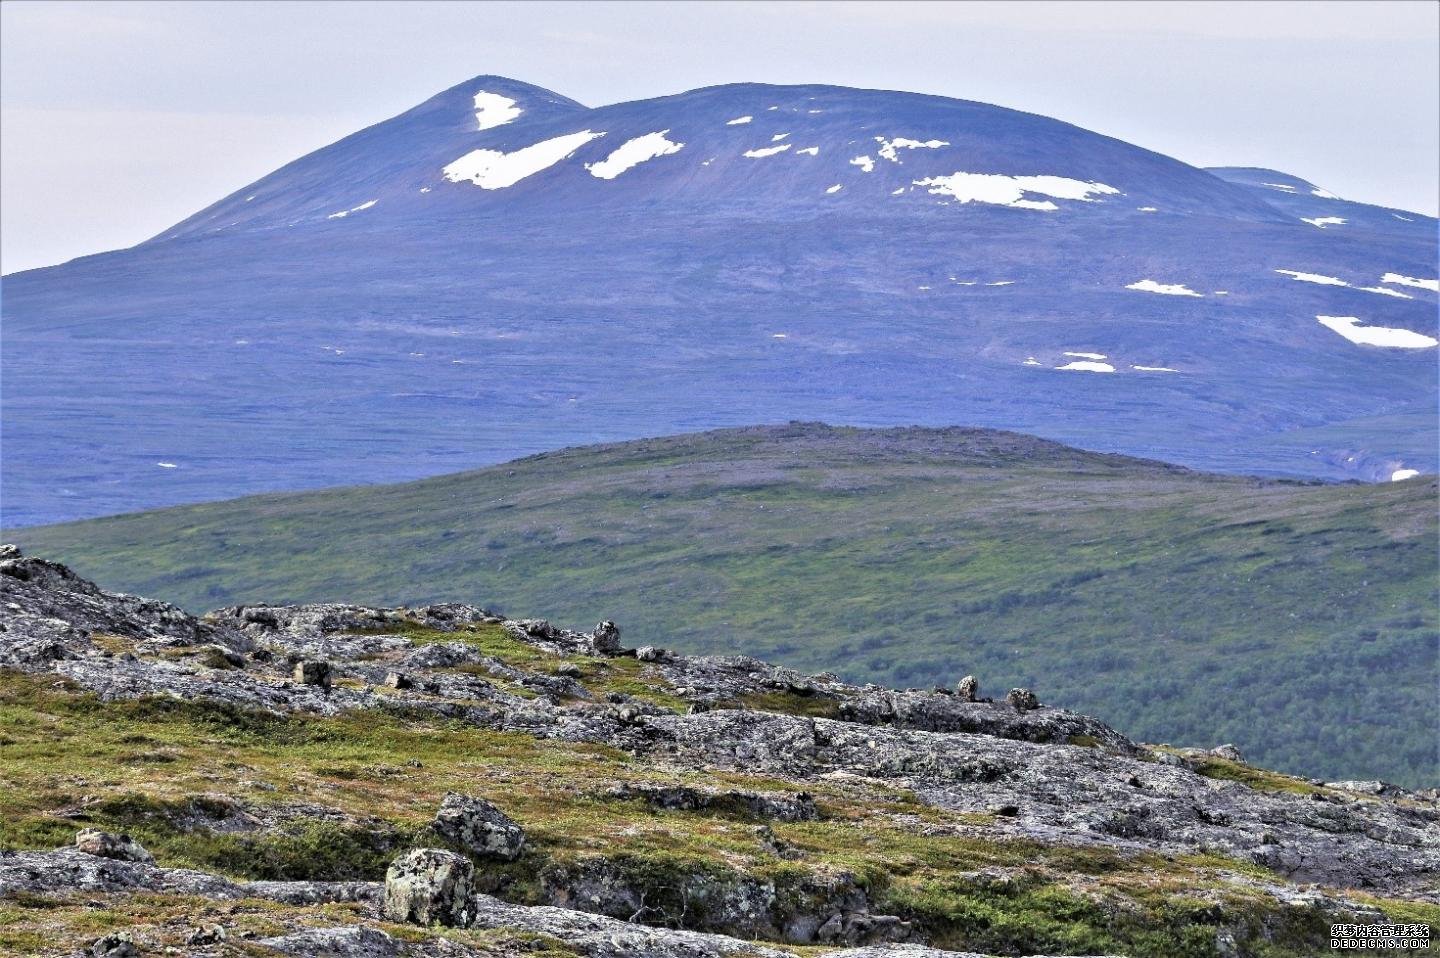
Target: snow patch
<point x="766" y="151"/>
<point x="1166" y="289"/>
<point x="494" y="170"/>
<point x="1324" y="221"/>
<point x="1395" y="279"/>
<point x="865" y="163"/>
<point x="1147" y="209"/>
<point x="739" y="120"/>
<point x="1400" y="475"/>
<point x="1009" y="191"/>
<point x="1002" y="282"/>
<point x="1280" y="186"/>
<point x="888" y="148"/>
<point x="812" y="150"/>
<point x="1384" y="292"/>
<point x="492" y="110"/>
<point x="1031" y="361"/>
<point x="1088" y="355"/>
<point x="1323" y="194"/>
<point x="1155" y="369"/>
<point x="343" y="213"/>
<point x="1312" y="278"/>
<point x="1335" y="281"/>
<point x="778" y="137"/>
<point x="632" y="153"/>
<point x="167" y="465"/>
<point x="835" y="189"/>
<point x="1082" y="365"/>
<point x="1350" y="328"/>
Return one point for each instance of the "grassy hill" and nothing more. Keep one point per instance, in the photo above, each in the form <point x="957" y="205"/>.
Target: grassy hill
<point x="1295" y="619"/>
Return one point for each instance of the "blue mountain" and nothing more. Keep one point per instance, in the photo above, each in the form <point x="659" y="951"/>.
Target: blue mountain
<point x="502" y="270"/>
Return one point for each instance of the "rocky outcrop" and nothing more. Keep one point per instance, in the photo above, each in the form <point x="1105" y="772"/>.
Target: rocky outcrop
<point x="1012" y="771"/>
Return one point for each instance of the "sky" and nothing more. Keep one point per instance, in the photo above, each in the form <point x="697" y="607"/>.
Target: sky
<point x="118" y="119"/>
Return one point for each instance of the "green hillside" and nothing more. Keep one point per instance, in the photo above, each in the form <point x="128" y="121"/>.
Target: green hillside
<point x="1297" y="620"/>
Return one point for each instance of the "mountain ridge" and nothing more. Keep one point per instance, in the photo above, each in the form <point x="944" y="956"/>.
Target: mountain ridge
<point x="427" y="295"/>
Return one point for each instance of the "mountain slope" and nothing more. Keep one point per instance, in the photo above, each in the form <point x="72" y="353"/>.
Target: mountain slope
<point x="1296" y="619"/>
<point x="502" y="271"/>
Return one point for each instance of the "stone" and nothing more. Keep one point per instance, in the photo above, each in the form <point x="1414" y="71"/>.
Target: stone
<point x="968" y="689"/>
<point x="648" y="653"/>
<point x="430" y="886"/>
<point x="1230" y="752"/>
<point x="398" y="680"/>
<point x="206" y="935"/>
<point x="1023" y="700"/>
<point x="569" y="670"/>
<point x="92" y="841"/>
<point x="117" y="944"/>
<point x="605" y="639"/>
<point x="479" y="827"/>
<point x="312" y="672"/>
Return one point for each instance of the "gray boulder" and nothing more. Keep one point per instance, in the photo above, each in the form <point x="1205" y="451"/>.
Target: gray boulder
<point x="310" y="672"/>
<point x="92" y="841"/>
<point x="479" y="827"/>
<point x="430" y="886"/>
<point x="969" y="689"/>
<point x="1023" y="700"/>
<point x="605" y="640"/>
<point x="117" y="944"/>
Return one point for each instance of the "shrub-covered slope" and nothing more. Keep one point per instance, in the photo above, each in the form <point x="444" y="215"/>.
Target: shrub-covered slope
<point x="1296" y="619"/>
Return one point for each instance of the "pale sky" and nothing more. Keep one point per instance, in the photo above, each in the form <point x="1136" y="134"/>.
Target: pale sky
<point x="118" y="119"/>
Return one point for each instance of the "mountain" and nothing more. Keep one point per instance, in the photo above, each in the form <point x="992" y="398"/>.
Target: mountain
<point x="502" y="270"/>
<point x="1296" y="619"/>
<point x="433" y="781"/>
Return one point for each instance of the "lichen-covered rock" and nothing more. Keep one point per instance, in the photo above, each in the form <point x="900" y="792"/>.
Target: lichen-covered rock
<point x="1022" y="700"/>
<point x="430" y="886"/>
<point x="968" y="689"/>
<point x="479" y="827"/>
<point x="117" y="944"/>
<point x="310" y="672"/>
<point x="123" y="848"/>
<point x="605" y="639"/>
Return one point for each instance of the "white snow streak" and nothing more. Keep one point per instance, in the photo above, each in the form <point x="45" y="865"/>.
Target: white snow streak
<point x="1083" y="365"/>
<point x="1005" y="190"/>
<point x="865" y="163"/>
<point x="1433" y="285"/>
<point x="1350" y="328"/>
<point x="812" y="150"/>
<point x="1324" y="221"/>
<point x="739" y="120"/>
<point x="835" y="189"/>
<point x="888" y="148"/>
<point x="494" y="170"/>
<point x="632" y="153"/>
<point x="1400" y="475"/>
<point x="1167" y="289"/>
<point x="766" y="151"/>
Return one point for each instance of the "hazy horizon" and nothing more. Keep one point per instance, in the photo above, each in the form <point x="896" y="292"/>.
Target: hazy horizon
<point x="121" y="119"/>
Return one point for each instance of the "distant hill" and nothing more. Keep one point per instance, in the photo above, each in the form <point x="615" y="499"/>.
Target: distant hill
<point x="1296" y="619"/>
<point x="501" y="270"/>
